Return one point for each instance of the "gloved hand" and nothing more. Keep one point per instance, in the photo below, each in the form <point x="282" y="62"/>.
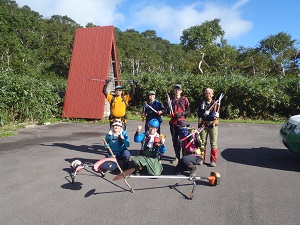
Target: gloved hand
<point x="121" y="140"/>
<point x="107" y="81"/>
<point x="131" y="82"/>
<point x="199" y="125"/>
<point x="178" y="114"/>
<point x="124" y="134"/>
<point x="206" y="113"/>
<point x="217" y="114"/>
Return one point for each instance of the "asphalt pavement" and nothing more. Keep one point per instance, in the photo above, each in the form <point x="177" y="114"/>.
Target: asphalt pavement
<point x="260" y="180"/>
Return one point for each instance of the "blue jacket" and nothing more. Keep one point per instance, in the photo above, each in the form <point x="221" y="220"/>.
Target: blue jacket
<point x="203" y="106"/>
<point x="117" y="144"/>
<point x="150" y="114"/>
<point x="144" y="138"/>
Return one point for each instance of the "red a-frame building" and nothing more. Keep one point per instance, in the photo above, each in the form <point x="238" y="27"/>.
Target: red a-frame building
<point x="94" y="59"/>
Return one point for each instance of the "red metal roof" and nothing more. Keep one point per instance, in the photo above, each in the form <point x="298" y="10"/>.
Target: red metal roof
<point x="91" y="59"/>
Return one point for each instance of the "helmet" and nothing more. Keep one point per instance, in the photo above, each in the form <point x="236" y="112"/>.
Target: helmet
<point x="154" y="123"/>
<point x="182" y="124"/>
<point x="117" y="122"/>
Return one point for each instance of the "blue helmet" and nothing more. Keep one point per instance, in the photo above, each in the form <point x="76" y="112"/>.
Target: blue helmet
<point x="154" y="123"/>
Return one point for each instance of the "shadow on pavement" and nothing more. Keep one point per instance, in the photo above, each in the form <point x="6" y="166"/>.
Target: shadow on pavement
<point x="94" y="192"/>
<point x="281" y="159"/>
<point x="81" y="148"/>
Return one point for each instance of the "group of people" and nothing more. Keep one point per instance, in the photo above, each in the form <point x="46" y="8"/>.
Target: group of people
<point x="189" y="143"/>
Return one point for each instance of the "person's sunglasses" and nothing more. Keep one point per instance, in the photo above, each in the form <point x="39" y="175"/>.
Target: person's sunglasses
<point x="119" y="90"/>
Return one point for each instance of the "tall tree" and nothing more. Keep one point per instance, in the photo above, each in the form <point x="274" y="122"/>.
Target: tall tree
<point x="202" y="37"/>
<point x="281" y="47"/>
<point x="59" y="38"/>
<point x="251" y="62"/>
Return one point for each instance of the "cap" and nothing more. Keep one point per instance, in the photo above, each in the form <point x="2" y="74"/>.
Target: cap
<point x="209" y="90"/>
<point x="151" y="93"/>
<point x="117" y="122"/>
<point x="177" y="86"/>
<point x="181" y="123"/>
<point x="118" y="87"/>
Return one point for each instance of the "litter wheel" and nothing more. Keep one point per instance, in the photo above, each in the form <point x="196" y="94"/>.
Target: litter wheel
<point x="108" y="165"/>
<point x="102" y="173"/>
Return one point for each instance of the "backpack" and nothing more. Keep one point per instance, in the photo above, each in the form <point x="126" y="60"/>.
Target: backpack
<point x="181" y="99"/>
<point x="123" y="99"/>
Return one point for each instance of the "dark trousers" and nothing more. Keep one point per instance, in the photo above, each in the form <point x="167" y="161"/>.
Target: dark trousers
<point x="187" y="162"/>
<point x="123" y="156"/>
<point x="174" y="130"/>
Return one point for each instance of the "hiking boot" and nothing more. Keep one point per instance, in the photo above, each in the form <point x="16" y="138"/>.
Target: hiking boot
<point x="193" y="171"/>
<point x="137" y="171"/>
<point x="175" y="161"/>
<point x="125" y="165"/>
<point x="213" y="164"/>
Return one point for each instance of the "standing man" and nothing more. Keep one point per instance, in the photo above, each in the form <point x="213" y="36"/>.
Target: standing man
<point x="118" y="102"/>
<point x="179" y="107"/>
<point x="208" y="116"/>
<point x="153" y="109"/>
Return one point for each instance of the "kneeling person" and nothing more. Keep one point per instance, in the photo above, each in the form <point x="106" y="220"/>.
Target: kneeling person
<point x="118" y="141"/>
<point x="153" y="145"/>
<point x="192" y="151"/>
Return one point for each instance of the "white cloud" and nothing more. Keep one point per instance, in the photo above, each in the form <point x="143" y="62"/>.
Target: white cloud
<point x="167" y="20"/>
<point x="170" y="22"/>
<point x="95" y="11"/>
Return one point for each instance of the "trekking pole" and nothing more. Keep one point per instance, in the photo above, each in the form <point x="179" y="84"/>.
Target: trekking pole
<point x="169" y="104"/>
<point x="122" y="172"/>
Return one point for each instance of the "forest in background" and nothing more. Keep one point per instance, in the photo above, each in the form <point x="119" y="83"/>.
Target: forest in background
<point x="260" y="82"/>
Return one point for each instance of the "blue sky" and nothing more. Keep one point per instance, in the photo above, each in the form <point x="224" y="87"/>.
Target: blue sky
<point x="245" y="22"/>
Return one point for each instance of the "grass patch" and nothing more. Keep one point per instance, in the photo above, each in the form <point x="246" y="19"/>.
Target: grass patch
<point x="195" y="119"/>
<point x="11" y="130"/>
<point x="8" y="134"/>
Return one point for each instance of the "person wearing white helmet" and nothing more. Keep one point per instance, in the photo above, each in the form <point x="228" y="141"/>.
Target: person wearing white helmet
<point x="118" y="141"/>
<point x="152" y="145"/>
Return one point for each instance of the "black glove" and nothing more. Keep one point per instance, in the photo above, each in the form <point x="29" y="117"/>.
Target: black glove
<point x="199" y="125"/>
<point x="107" y="81"/>
<point x="131" y="82"/>
<point x="178" y="114"/>
<point x="121" y="140"/>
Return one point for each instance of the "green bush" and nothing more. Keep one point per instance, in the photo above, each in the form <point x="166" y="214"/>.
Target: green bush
<point x="247" y="98"/>
<point x="25" y="98"/>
